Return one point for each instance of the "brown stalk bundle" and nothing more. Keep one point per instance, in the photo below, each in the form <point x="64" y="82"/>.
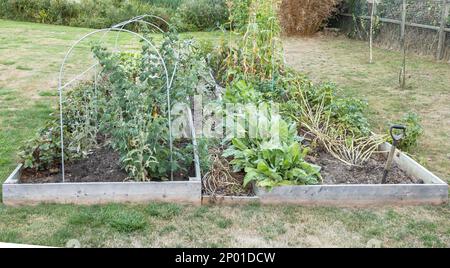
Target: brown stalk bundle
<point x="221" y="180"/>
<point x="305" y="17"/>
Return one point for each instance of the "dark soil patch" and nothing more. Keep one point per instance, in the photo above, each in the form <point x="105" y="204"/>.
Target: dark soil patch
<point x="336" y="172"/>
<point x="102" y="165"/>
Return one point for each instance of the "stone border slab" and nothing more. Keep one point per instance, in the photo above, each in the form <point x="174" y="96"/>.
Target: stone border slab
<point x="15" y="193"/>
<point x="433" y="191"/>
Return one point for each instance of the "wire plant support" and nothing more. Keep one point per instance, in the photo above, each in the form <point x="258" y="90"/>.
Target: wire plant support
<point x="120" y="28"/>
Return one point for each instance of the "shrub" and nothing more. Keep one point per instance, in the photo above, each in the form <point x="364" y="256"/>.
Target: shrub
<point x="239" y="13"/>
<point x="172" y="4"/>
<point x="192" y="15"/>
<point x="83" y="13"/>
<point x="305" y="17"/>
<point x="105" y="13"/>
<point x="195" y="15"/>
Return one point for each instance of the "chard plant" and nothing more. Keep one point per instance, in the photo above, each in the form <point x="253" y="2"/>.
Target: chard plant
<point x="273" y="161"/>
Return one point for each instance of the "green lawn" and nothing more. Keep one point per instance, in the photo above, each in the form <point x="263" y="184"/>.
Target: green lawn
<point x="30" y="55"/>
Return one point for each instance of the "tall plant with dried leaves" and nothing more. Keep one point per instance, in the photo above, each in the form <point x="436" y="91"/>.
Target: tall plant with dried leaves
<point x="305" y="17"/>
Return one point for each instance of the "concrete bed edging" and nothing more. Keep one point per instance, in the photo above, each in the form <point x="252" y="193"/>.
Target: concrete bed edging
<point x="434" y="191"/>
<point x="86" y="193"/>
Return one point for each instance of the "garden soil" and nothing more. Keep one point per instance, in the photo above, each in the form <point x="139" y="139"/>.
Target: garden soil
<point x="102" y="165"/>
<point x="336" y="172"/>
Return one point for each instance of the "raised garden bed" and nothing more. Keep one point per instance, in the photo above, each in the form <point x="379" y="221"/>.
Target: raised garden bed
<point x="419" y="187"/>
<point x="16" y="193"/>
<point x="128" y="134"/>
<point x="96" y="179"/>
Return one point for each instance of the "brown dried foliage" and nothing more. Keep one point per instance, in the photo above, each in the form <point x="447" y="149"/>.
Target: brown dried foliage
<point x="305" y="17"/>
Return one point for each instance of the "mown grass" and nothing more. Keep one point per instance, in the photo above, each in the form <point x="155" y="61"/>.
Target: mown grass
<point x="28" y="96"/>
<point x="215" y="226"/>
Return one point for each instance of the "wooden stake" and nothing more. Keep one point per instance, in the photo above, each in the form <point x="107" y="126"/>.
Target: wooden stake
<point x="442" y="33"/>
<point x="403" y="45"/>
<point x="372" y="13"/>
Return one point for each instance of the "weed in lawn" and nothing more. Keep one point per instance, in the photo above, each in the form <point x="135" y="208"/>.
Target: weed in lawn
<point x="125" y="221"/>
<point x="83" y="217"/>
<point x="164" y="211"/>
<point x="7" y="62"/>
<point x="9" y="98"/>
<point x="6" y="92"/>
<point x="48" y="93"/>
<point x="118" y="218"/>
<point x="289" y="212"/>
<point x="431" y="241"/>
<point x="24" y="68"/>
<point x="167" y="229"/>
<point x="223" y="222"/>
<point x="200" y="212"/>
<point x="391" y="215"/>
<point x="9" y="236"/>
<point x="272" y="230"/>
<point x="422" y="226"/>
<point x="252" y="208"/>
<point x="61" y="236"/>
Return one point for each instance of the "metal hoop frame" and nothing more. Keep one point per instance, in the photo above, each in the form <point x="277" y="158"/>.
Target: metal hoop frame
<point x="120" y="28"/>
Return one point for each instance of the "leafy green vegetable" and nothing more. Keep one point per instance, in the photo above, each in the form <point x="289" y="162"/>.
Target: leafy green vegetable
<point x="273" y="161"/>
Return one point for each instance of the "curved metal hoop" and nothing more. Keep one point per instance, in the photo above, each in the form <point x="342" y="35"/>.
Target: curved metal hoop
<point x="61" y="87"/>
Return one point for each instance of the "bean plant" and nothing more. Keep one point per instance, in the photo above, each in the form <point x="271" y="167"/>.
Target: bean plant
<point x="128" y="106"/>
<point x="43" y="152"/>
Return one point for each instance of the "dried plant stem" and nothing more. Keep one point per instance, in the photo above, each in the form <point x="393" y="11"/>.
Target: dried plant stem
<point x="220" y="180"/>
<point x="342" y="145"/>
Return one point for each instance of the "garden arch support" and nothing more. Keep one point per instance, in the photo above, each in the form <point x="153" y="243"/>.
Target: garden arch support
<point x="168" y="81"/>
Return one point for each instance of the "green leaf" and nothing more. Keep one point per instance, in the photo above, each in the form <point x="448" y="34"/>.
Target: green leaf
<point x="251" y="175"/>
<point x="239" y="144"/>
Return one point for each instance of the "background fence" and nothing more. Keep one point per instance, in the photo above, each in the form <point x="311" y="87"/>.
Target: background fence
<point x="422" y="26"/>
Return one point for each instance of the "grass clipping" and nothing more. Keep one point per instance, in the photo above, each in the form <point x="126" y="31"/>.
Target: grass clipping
<point x="305" y="17"/>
